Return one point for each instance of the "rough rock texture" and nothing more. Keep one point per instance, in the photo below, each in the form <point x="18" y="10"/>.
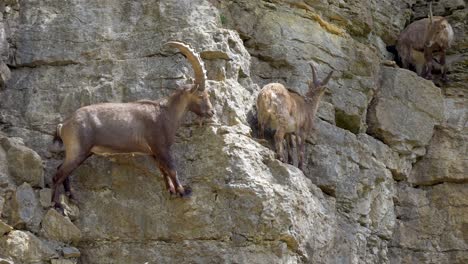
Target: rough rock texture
<point x="405" y="110"/>
<point x="24" y="164"/>
<point x="25" y="211"/>
<point x="71" y="252"/>
<point x="385" y="178"/>
<point x="57" y="227"/>
<point x="25" y="247"/>
<point x="4" y="228"/>
<point x="63" y="261"/>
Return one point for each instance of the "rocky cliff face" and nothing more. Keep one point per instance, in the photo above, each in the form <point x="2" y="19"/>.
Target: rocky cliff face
<point x="385" y="178"/>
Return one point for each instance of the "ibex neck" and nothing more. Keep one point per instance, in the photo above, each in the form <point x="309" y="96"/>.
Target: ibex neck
<point x="313" y="103"/>
<point x="176" y="105"/>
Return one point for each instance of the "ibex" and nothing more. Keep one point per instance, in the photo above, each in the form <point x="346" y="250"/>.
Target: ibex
<point x="143" y="127"/>
<point x="427" y="36"/>
<point x="288" y="113"/>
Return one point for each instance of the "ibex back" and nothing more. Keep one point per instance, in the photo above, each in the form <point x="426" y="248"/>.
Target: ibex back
<point x="144" y="127"/>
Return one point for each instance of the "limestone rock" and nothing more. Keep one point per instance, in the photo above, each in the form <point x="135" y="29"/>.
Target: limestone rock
<point x="10" y="142"/>
<point x="25" y="165"/>
<point x="405" y="110"/>
<point x="431" y="224"/>
<point x="63" y="261"/>
<point x="25" y="209"/>
<point x="45" y="197"/>
<point x="4" y="228"/>
<point x="25" y="247"/>
<point x="246" y="207"/>
<point x="6" y="261"/>
<point x="361" y="183"/>
<point x="277" y="56"/>
<point x="2" y="203"/>
<point x="71" y="252"/>
<point x="5" y="74"/>
<point x="56" y="226"/>
<point x="445" y="160"/>
<point x="71" y="210"/>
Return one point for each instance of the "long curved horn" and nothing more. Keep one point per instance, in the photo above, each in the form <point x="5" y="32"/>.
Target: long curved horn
<point x="430" y="13"/>
<point x="196" y="61"/>
<point x="314" y="75"/>
<point x="327" y="79"/>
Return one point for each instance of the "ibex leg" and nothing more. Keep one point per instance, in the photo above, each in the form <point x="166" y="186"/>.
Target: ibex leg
<point x="66" y="187"/>
<point x="168" y="167"/>
<point x="68" y="166"/>
<point x="444" y="66"/>
<point x="167" y="180"/>
<point x="279" y="138"/>
<point x="300" y="142"/>
<point x="428" y="63"/>
<point x="290" y="147"/>
<point x="261" y="130"/>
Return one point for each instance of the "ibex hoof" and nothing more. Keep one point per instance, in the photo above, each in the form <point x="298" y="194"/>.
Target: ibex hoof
<point x="59" y="209"/>
<point x="71" y="197"/>
<point x="172" y="192"/>
<point x="280" y="158"/>
<point x="187" y="192"/>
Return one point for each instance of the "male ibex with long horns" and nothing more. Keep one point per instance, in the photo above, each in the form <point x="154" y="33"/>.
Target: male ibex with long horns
<point x="290" y="113"/>
<point x="428" y="36"/>
<point x="143" y="127"/>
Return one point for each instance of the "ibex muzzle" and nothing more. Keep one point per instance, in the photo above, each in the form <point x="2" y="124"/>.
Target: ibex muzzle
<point x="144" y="127"/>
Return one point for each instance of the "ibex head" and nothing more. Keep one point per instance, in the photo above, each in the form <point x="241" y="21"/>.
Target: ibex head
<point x="436" y="29"/>
<point x="198" y="98"/>
<point x="316" y="86"/>
<point x="199" y="102"/>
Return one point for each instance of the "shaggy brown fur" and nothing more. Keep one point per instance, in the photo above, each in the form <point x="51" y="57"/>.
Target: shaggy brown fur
<point x="289" y="113"/>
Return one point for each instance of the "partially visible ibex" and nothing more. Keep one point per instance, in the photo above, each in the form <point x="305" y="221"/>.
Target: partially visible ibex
<point x="289" y="113"/>
<point x="143" y="127"/>
<point x="429" y="35"/>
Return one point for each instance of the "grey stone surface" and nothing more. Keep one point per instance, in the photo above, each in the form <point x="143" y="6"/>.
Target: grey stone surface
<point x="405" y="110"/>
<point x="384" y="181"/>
<point x="45" y="197"/>
<point x="6" y="261"/>
<point x="445" y="161"/>
<point x="25" y="209"/>
<point x="25" y="247"/>
<point x="63" y="261"/>
<point x="57" y="227"/>
<point x="4" y="228"/>
<point x="71" y="252"/>
<point x="24" y="164"/>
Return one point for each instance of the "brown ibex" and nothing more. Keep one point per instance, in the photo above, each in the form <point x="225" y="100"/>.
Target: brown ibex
<point x="429" y="36"/>
<point x="288" y="113"/>
<point x="144" y="127"/>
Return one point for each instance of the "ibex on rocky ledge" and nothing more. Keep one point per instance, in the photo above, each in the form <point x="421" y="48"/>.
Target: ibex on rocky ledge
<point x="432" y="35"/>
<point x="143" y="127"/>
<point x="289" y="113"/>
